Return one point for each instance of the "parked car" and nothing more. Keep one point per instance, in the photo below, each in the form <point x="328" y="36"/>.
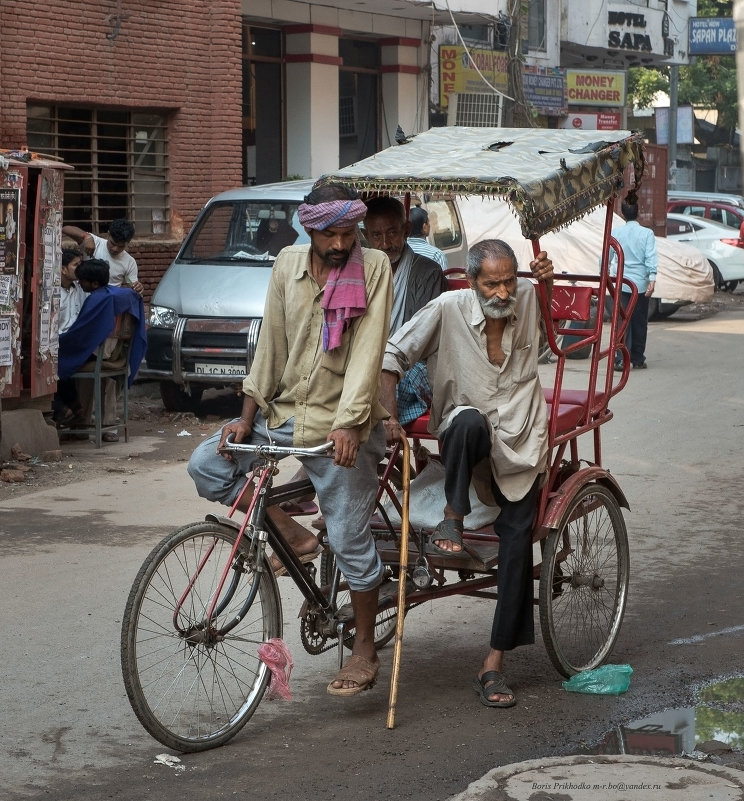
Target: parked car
<point x="722" y="246"/>
<point x="715" y="206"/>
<point x="684" y="275"/>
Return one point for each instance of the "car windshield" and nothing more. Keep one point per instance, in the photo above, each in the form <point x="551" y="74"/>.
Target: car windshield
<point x="244" y="230"/>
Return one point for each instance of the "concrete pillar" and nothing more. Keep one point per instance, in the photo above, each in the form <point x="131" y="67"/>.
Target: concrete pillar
<point x="312" y="63"/>
<point x="405" y="102"/>
<point x="739" y="22"/>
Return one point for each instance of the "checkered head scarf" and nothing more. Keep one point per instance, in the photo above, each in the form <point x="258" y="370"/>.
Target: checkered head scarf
<point x="344" y="295"/>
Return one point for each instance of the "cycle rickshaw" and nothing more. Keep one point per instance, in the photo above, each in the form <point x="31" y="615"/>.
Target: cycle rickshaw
<point x="205" y="602"/>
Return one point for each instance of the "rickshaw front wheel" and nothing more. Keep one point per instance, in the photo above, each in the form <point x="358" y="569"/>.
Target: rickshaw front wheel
<point x="584" y="581"/>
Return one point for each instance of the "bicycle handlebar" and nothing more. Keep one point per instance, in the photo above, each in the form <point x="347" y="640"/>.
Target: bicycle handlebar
<point x="269" y="450"/>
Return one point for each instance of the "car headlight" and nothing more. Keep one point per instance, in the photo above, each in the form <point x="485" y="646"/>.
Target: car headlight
<point x="162" y="317"/>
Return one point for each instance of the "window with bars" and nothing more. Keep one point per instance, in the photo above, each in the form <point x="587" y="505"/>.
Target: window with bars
<point x="120" y="159"/>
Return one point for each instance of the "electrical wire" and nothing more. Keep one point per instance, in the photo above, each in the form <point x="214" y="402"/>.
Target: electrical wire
<point x="471" y="59"/>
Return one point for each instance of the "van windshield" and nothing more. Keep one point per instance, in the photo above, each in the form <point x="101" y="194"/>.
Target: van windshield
<point x="244" y="230"/>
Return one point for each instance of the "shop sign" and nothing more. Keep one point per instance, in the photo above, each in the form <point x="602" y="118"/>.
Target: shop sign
<point x="545" y="89"/>
<point x="685" y="125"/>
<point x="712" y="36"/>
<point x="595" y="88"/>
<point x="637" y="32"/>
<point x="458" y="73"/>
<point x="600" y="121"/>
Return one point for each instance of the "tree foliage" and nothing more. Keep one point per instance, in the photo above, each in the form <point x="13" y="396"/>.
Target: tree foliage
<point x="709" y="82"/>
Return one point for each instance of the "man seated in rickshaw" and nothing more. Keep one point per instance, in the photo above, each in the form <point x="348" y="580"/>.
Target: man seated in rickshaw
<point x="489" y="413"/>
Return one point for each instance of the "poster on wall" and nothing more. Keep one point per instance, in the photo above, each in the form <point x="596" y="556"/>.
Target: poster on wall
<point x="6" y="352"/>
<point x="10" y="238"/>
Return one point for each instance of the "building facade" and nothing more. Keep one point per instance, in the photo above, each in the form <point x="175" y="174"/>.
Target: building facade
<point x="158" y="106"/>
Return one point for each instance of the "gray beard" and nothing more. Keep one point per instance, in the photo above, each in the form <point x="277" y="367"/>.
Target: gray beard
<point x="494" y="310"/>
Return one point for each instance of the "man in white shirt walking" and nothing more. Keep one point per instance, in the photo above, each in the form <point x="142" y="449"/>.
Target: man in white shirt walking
<point x="640" y="263"/>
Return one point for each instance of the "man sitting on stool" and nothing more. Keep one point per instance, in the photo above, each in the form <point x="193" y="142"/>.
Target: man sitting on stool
<point x="93" y="325"/>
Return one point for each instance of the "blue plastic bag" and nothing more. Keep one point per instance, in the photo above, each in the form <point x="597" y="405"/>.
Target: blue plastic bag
<point x="605" y="680"/>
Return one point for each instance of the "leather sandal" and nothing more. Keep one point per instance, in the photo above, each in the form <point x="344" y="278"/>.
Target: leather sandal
<point x="359" y="670"/>
<point x="280" y="570"/>
<point x="496" y="684"/>
<point x="449" y="529"/>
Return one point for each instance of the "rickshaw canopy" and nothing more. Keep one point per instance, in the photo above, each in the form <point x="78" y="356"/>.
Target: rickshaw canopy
<point x="548" y="176"/>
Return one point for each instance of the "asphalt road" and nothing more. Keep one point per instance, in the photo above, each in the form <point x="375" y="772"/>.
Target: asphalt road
<point x="68" y="555"/>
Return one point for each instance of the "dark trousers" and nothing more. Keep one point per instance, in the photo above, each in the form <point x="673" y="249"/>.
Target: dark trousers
<point x="466" y="442"/>
<point x="635" y="335"/>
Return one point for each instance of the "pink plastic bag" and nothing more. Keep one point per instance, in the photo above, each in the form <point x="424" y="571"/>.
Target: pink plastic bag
<point x="275" y="655"/>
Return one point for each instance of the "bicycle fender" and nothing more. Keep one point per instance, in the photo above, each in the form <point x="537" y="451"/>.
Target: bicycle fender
<point x="567" y="490"/>
<point x="223" y="521"/>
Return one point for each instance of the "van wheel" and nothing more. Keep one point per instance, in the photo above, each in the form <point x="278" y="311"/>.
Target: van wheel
<point x="176" y="399"/>
<point x="718" y="281"/>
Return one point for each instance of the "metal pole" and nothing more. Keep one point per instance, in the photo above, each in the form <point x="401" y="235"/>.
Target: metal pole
<point x="673" y="83"/>
<point x="739" y="22"/>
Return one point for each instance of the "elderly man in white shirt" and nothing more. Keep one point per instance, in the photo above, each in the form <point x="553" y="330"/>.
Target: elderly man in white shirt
<point x="480" y="346"/>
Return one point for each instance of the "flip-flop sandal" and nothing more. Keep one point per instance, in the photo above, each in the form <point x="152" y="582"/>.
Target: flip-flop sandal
<point x="496" y="684"/>
<point x="359" y="670"/>
<point x="280" y="569"/>
<point x="449" y="529"/>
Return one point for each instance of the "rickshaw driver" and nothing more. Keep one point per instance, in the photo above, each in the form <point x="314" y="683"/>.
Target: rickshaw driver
<point x="489" y="412"/>
<point x="316" y="371"/>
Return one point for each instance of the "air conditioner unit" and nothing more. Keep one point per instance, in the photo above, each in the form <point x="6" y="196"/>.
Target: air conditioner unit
<point x="475" y="110"/>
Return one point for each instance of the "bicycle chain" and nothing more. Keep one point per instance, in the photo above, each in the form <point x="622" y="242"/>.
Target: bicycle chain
<point x="315" y="650"/>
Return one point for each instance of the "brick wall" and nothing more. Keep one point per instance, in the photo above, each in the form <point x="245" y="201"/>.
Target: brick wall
<point x="173" y="56"/>
<point x="152" y="259"/>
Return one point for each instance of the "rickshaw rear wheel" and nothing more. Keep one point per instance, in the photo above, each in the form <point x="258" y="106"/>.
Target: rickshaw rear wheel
<point x="385" y="622"/>
<point x="584" y="581"/>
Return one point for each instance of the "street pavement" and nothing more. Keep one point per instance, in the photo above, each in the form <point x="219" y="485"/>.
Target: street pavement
<point x="69" y="555"/>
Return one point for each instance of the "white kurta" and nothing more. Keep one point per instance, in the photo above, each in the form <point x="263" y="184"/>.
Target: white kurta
<point x="449" y="334"/>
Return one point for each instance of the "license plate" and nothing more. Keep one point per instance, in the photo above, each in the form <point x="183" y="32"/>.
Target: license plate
<point x="204" y="368"/>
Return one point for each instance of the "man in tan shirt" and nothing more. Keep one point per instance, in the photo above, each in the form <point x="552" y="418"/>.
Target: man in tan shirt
<point x="316" y="378"/>
<point x="480" y="346"/>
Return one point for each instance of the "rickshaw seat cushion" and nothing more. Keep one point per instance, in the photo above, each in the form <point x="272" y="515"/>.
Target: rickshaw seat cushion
<point x="574" y="397"/>
<point x="569" y="417"/>
<point x="569" y="302"/>
<point x="418" y="428"/>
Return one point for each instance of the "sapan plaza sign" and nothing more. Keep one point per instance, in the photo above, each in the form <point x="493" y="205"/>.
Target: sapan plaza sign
<point x="712" y="36"/>
<point x="595" y="88"/>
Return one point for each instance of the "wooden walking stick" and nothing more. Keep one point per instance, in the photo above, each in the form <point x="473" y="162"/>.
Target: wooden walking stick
<point x="403" y="571"/>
